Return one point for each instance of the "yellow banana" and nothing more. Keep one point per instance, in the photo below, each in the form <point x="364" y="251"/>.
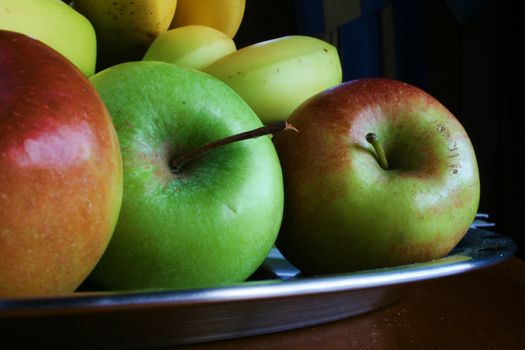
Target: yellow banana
<point x="224" y="15"/>
<point x="194" y="46"/>
<point x="126" y="28"/>
<point x="275" y="76"/>
<point x="54" y="23"/>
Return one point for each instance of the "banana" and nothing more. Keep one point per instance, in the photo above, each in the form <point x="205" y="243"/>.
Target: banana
<point x="194" y="46"/>
<point x="126" y="28"/>
<point x="55" y="24"/>
<point x="275" y="76"/>
<point x="223" y="15"/>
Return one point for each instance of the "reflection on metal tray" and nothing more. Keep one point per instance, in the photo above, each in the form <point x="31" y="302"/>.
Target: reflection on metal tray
<point x="281" y="300"/>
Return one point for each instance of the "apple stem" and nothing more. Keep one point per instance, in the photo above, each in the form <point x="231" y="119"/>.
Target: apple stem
<point x="380" y="152"/>
<point x="178" y="162"/>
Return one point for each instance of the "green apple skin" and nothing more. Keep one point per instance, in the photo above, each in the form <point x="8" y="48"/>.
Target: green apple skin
<point x="214" y="222"/>
<point x="57" y="25"/>
<point x="60" y="171"/>
<point x="343" y="212"/>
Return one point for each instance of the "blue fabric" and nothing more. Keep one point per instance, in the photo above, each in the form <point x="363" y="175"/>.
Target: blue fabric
<point x="359" y="48"/>
<point x="309" y="17"/>
<point x="410" y="42"/>
<point x="465" y="9"/>
<point x="371" y="6"/>
<point x="359" y="40"/>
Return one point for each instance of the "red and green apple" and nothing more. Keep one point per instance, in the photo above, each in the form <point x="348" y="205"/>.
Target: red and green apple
<point x="380" y="174"/>
<point x="60" y="171"/>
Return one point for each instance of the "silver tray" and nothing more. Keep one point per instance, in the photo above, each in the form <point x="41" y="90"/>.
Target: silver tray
<point x="276" y="298"/>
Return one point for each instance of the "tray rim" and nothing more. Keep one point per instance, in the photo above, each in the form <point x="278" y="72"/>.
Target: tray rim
<point x="92" y="302"/>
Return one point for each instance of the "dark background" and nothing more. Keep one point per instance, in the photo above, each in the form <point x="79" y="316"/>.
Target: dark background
<point x="463" y="52"/>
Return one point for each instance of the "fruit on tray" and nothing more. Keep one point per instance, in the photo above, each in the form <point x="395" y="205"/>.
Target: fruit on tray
<point x="209" y="222"/>
<point x="223" y="15"/>
<point x="60" y="171"/>
<point x="192" y="46"/>
<point x="126" y="28"/>
<point x="57" y="25"/>
<point x="380" y="174"/>
<point x="275" y="76"/>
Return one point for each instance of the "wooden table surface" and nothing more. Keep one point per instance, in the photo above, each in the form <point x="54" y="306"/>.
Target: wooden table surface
<point x="483" y="309"/>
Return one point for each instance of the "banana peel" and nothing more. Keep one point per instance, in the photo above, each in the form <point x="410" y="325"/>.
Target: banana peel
<point x="223" y="15"/>
<point x="125" y="28"/>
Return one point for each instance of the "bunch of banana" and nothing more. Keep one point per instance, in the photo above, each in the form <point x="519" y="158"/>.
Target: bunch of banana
<point x="126" y="28"/>
<point x="223" y="15"/>
<point x="273" y="77"/>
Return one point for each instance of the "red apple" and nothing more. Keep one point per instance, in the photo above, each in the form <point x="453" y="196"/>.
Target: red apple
<point x="60" y="171"/>
<point x="352" y="202"/>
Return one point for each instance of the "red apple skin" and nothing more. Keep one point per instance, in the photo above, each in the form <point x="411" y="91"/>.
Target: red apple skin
<point x="343" y="212"/>
<point x="60" y="171"/>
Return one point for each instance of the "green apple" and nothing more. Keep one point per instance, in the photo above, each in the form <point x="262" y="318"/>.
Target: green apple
<point x="192" y="46"/>
<point x="60" y="171"/>
<point x="405" y="193"/>
<point x="275" y="76"/>
<point x="56" y="24"/>
<point x="213" y="221"/>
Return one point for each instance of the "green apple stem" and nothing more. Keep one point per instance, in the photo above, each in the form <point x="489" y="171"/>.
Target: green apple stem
<point x="182" y="159"/>
<point x="380" y="152"/>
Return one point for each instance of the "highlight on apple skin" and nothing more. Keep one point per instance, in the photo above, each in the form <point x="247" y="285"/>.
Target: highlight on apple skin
<point x="344" y="210"/>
